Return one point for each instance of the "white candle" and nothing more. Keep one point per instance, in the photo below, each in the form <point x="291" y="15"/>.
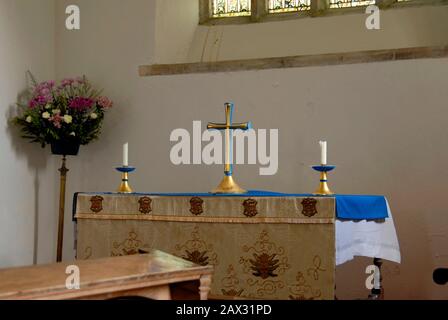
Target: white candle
<point x="323" y="152"/>
<point x="125" y="154"/>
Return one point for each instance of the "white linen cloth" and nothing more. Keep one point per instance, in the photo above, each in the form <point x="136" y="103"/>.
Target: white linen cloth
<point x="368" y="239"/>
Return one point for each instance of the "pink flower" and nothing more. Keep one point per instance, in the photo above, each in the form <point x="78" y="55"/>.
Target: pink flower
<point x="45" y="92"/>
<point x="44" y="88"/>
<point x="56" y="119"/>
<point x="67" y="82"/>
<point x="40" y="100"/>
<point x="104" y="102"/>
<point x="32" y="104"/>
<point x="81" y="104"/>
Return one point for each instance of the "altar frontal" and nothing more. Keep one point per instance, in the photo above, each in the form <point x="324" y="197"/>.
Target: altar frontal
<point x="262" y="246"/>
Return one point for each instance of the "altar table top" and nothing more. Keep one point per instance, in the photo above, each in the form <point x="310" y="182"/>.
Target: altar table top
<point x="351" y="207"/>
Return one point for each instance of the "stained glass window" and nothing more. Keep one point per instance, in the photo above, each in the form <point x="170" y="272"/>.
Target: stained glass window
<point x="266" y="8"/>
<point x="231" y="8"/>
<point x="350" y="3"/>
<point x="289" y="5"/>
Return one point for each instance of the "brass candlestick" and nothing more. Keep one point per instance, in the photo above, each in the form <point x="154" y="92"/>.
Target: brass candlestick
<point x="124" y="185"/>
<point x="324" y="189"/>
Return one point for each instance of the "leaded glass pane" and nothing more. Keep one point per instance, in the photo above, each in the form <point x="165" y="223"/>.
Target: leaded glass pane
<point x="350" y="3"/>
<point x="231" y="8"/>
<point x="289" y="5"/>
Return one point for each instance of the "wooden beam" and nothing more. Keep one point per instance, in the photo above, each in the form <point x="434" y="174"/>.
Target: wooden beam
<point x="295" y="61"/>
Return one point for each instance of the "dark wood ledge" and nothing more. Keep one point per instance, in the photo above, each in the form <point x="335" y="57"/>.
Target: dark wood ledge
<point x="295" y="61"/>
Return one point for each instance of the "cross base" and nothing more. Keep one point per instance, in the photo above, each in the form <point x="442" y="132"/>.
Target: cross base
<point x="228" y="185"/>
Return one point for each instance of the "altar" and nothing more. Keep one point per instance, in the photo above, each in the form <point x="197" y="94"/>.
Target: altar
<point x="263" y="245"/>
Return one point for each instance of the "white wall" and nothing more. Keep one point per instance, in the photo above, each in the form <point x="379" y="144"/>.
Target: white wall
<point x="176" y="23"/>
<point x="27" y="179"/>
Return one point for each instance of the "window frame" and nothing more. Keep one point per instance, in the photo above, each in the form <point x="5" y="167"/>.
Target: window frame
<point x="260" y="12"/>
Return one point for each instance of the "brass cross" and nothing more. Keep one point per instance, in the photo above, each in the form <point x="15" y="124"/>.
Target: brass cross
<point x="228" y="185"/>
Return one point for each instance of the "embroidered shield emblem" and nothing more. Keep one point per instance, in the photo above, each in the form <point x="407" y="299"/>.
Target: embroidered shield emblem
<point x="196" y="206"/>
<point x="309" y="207"/>
<point x="96" y="204"/>
<point x="145" y="205"/>
<point x="250" y="208"/>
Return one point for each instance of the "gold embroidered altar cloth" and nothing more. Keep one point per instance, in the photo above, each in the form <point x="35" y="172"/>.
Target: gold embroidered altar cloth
<point x="260" y="247"/>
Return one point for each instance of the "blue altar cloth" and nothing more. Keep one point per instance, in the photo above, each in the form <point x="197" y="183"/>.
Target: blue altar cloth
<point x="350" y="207"/>
<point x="360" y="207"/>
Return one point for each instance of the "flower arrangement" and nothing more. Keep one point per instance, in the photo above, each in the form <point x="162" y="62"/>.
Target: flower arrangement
<point x="71" y="111"/>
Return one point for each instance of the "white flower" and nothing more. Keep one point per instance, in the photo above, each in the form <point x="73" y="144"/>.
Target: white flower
<point x="68" y="118"/>
<point x="48" y="106"/>
<point x="93" y="115"/>
<point x="73" y="134"/>
<point x="46" y="115"/>
<point x="29" y="119"/>
<point x="56" y="111"/>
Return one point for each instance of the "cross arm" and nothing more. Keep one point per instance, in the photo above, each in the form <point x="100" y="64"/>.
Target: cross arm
<point x="234" y="126"/>
<point x="241" y="126"/>
<point x="217" y="126"/>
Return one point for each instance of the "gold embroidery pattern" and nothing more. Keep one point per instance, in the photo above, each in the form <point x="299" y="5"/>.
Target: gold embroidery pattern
<point x="265" y="261"/>
<point x="145" y="205"/>
<point x="231" y="283"/>
<point x="302" y="290"/>
<point x="96" y="204"/>
<point x="250" y="208"/>
<point x="264" y="265"/>
<point x="129" y="246"/>
<point x="196" y="206"/>
<point x="268" y="287"/>
<point x="197" y="250"/>
<point x="317" y="267"/>
<point x="309" y="207"/>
